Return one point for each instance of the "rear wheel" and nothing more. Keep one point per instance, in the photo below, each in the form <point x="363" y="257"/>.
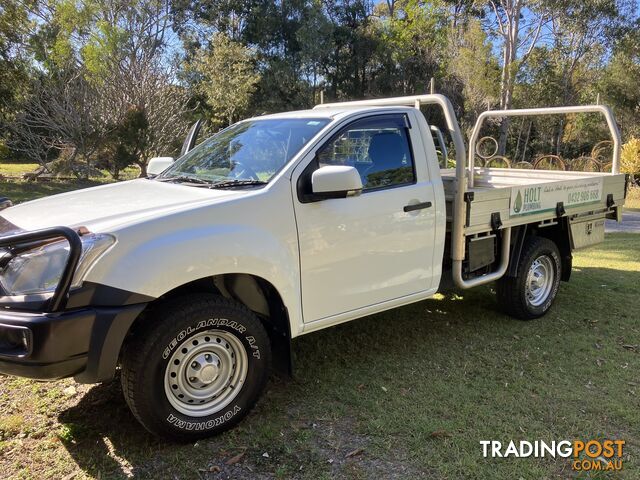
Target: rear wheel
<point x="196" y="367"/>
<point x="531" y="292"/>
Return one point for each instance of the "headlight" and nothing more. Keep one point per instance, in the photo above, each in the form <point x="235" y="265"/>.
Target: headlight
<point x="39" y="270"/>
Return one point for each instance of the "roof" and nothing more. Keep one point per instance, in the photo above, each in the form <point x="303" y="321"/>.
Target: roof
<point x="329" y="112"/>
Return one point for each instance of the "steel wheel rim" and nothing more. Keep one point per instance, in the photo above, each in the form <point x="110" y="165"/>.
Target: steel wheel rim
<point x="540" y="280"/>
<point x="205" y="373"/>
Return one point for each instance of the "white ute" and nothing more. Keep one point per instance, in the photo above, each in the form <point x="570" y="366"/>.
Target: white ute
<point x="194" y="279"/>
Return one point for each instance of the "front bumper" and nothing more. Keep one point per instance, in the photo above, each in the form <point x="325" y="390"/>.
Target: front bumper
<point x="83" y="343"/>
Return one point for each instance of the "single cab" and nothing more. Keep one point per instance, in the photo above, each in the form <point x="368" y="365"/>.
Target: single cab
<point x="195" y="280"/>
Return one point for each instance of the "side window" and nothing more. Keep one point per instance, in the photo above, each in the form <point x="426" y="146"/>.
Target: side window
<point x="377" y="147"/>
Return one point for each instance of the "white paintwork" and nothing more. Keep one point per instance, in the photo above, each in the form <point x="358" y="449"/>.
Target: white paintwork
<point x="458" y="223"/>
<point x="331" y="261"/>
<point x="357" y="252"/>
<point x="111" y="206"/>
<point x="336" y="178"/>
<point x="157" y="165"/>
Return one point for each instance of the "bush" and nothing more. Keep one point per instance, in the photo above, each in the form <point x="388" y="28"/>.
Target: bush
<point x="4" y="151"/>
<point x="630" y="156"/>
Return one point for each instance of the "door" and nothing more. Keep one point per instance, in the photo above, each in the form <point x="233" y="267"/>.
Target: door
<point x="359" y="251"/>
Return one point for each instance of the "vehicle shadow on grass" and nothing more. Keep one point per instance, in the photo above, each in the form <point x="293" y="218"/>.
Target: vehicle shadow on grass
<point x="106" y="441"/>
<point x="103" y="436"/>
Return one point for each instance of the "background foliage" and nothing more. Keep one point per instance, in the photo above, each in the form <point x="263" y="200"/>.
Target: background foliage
<point x="111" y="83"/>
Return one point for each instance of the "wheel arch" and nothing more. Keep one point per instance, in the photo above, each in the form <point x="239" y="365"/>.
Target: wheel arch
<point x="256" y="293"/>
<point x="559" y="233"/>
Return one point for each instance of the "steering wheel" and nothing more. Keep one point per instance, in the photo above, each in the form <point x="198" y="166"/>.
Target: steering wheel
<point x="240" y="171"/>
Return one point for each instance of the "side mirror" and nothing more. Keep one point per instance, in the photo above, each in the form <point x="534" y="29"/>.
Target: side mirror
<point x="157" y="165"/>
<point x="5" y="203"/>
<point x="334" y="181"/>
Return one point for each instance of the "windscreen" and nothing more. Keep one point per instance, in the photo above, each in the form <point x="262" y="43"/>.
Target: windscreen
<point x="250" y="150"/>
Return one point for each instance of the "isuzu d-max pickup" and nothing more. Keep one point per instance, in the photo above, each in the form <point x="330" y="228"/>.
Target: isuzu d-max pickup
<point x="195" y="280"/>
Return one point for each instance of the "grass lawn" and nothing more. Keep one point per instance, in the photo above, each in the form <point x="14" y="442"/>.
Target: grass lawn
<point x="21" y="191"/>
<point x="412" y="391"/>
<point x="16" y="169"/>
<point x="404" y="394"/>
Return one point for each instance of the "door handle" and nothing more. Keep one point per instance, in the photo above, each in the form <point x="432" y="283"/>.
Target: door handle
<point x="417" y="206"/>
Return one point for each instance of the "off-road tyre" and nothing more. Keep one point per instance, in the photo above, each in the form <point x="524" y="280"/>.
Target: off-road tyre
<point x="174" y="337"/>
<point x="516" y="295"/>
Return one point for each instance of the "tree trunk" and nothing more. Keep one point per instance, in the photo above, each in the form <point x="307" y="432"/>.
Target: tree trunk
<point x="143" y="169"/>
<point x="566" y="94"/>
<point x="506" y="100"/>
<point x="510" y="35"/>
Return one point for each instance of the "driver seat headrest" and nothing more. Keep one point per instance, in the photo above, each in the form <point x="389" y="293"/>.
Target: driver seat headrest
<point x="386" y="150"/>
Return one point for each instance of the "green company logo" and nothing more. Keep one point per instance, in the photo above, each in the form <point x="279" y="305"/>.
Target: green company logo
<point x="518" y="206"/>
<point x="528" y="200"/>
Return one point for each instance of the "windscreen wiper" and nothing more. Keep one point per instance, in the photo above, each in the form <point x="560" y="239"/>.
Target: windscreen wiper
<point x="237" y="183"/>
<point x="185" y="179"/>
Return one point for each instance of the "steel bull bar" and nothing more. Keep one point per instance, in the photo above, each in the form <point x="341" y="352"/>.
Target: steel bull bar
<point x="56" y="341"/>
<point x="34" y="238"/>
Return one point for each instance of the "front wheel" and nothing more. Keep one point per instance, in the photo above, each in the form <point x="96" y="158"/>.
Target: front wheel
<point x="196" y="367"/>
<point x="531" y="292"/>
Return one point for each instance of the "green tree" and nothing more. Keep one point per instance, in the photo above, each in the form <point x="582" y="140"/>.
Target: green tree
<point x="618" y="86"/>
<point x="353" y="64"/>
<point x="230" y="58"/>
<point x="475" y="67"/>
<point x="126" y="143"/>
<point x="15" y="68"/>
<point x="102" y="59"/>
<point x="228" y="77"/>
<point x="314" y="37"/>
<point x="414" y="40"/>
